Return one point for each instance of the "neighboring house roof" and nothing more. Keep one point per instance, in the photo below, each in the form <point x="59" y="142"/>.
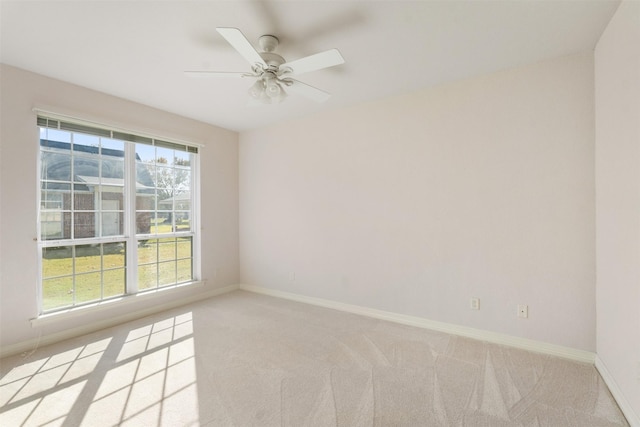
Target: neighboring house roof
<point x="182" y="197"/>
<point x="57" y="167"/>
<point x="179" y="199"/>
<point x="115" y="182"/>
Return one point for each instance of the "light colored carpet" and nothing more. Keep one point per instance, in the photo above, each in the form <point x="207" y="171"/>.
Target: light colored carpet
<point x="244" y="359"/>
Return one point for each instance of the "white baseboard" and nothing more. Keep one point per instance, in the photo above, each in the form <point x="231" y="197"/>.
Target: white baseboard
<point x="30" y="345"/>
<point x="479" y="334"/>
<point x="632" y="418"/>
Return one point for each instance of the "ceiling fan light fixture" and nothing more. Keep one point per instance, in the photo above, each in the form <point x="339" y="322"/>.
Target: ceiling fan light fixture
<point x="267" y="90"/>
<point x="257" y="90"/>
<point x="273" y="88"/>
<point x="281" y="96"/>
<point x="272" y="97"/>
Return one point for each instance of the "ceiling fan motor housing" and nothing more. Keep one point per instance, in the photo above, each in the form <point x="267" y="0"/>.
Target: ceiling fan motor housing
<point x="268" y="44"/>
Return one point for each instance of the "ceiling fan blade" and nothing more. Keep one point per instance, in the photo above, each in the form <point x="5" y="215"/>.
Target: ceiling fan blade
<point x="223" y="74"/>
<point x="307" y="91"/>
<point x="321" y="60"/>
<point x="240" y="43"/>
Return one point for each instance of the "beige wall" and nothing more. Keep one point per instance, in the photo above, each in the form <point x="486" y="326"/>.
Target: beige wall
<point x="414" y="204"/>
<point x="617" y="94"/>
<point x="411" y="204"/>
<point x="21" y="91"/>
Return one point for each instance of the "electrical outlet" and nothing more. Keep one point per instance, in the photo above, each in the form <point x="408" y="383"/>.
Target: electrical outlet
<point x="292" y="276"/>
<point x="475" y="303"/>
<point x="523" y="311"/>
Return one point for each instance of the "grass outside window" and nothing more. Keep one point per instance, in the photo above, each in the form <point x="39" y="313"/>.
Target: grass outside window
<point x="78" y="274"/>
<point x="84" y="273"/>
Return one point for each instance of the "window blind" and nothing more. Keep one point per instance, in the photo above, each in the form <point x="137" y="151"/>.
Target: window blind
<point x="51" y="123"/>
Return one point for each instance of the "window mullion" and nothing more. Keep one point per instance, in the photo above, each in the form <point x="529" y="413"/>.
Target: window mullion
<point x="130" y="218"/>
<point x="72" y="195"/>
<point x="195" y="216"/>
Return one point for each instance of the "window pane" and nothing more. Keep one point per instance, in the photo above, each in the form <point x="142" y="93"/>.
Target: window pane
<point x="52" y="225"/>
<point x="184" y="270"/>
<point x="182" y="180"/>
<point x="57" y="293"/>
<point x="62" y="187"/>
<point x="88" y="258"/>
<point x="146" y="200"/>
<point x="84" y="225"/>
<point x="112" y="224"/>
<point x="148" y="251"/>
<point x="113" y="255"/>
<point x="57" y="262"/>
<point x="66" y="221"/>
<point x="86" y="169"/>
<point x="88" y="287"/>
<point x="85" y="143"/>
<point x="163" y="223"/>
<point x="113" y="282"/>
<point x="111" y="198"/>
<point x="164" y="155"/>
<point x="147" y="276"/>
<point x="55" y="166"/>
<point x="167" y="250"/>
<point x="145" y="153"/>
<point x="167" y="273"/>
<point x="55" y="146"/>
<point x="156" y="222"/>
<point x="113" y="168"/>
<point x="112" y="147"/>
<point x="143" y="222"/>
<point x="83" y="201"/>
<point x="184" y="247"/>
<point x="182" y="200"/>
<point x="182" y="158"/>
<point x="165" y="199"/>
<point x="57" y="135"/>
<point x="164" y="179"/>
<point x="145" y="176"/>
<point x="52" y="200"/>
<point x="171" y="186"/>
<point x="183" y="222"/>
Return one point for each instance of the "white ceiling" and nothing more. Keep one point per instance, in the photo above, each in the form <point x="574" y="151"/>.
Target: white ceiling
<point x="138" y="50"/>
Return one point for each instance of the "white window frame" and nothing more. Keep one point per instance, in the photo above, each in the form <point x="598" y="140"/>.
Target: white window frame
<point x="130" y="237"/>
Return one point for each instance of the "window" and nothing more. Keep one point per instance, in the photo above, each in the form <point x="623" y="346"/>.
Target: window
<point x="116" y="213"/>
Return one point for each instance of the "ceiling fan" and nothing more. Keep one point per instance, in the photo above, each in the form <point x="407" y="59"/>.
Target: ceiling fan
<point x="271" y="72"/>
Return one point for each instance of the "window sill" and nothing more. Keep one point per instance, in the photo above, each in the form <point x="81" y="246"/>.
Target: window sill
<point x="76" y="312"/>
